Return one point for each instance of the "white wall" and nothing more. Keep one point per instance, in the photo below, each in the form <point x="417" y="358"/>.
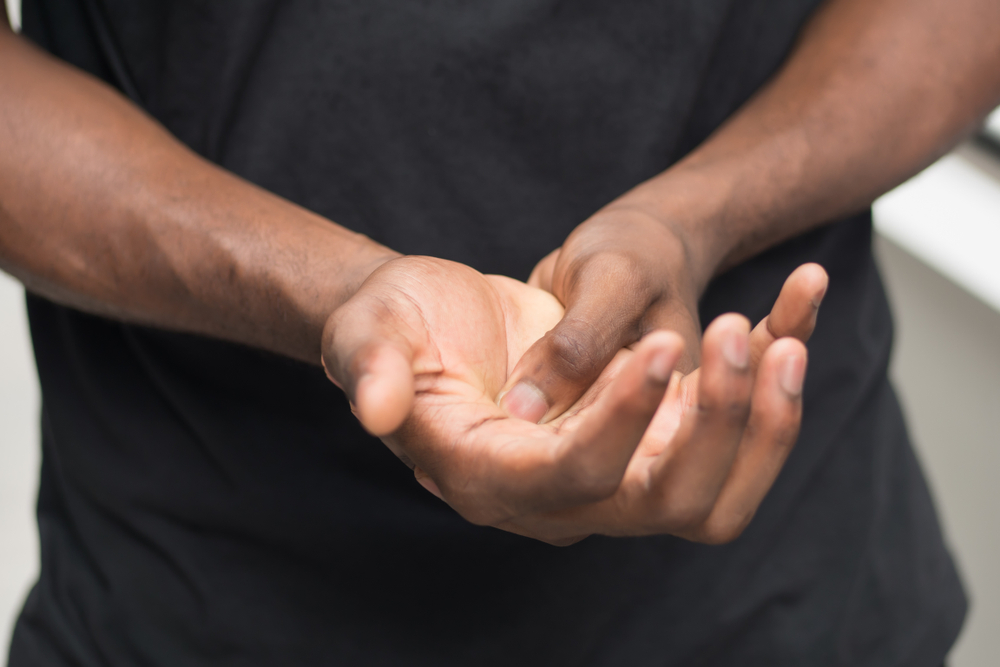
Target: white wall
<point x="14" y="11"/>
<point x="940" y="255"/>
<point x="946" y="368"/>
<point x="19" y="457"/>
<point x="19" y="451"/>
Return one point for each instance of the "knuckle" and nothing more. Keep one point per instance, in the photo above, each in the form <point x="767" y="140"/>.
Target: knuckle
<point x="722" y="530"/>
<point x="577" y="351"/>
<point x="781" y="430"/>
<point x="593" y="489"/>
<point x="733" y="411"/>
<point x="586" y="481"/>
<point x="715" y="534"/>
<point x="686" y="518"/>
<point x="617" y="266"/>
<point x="636" y="286"/>
<point x="599" y="489"/>
<point x="787" y="434"/>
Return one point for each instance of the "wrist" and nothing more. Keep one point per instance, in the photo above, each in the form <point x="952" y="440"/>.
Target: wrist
<point x="266" y="272"/>
<point x="661" y="252"/>
<point x="691" y="208"/>
<point x="341" y="264"/>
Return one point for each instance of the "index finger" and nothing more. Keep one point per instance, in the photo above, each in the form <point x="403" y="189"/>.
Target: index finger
<point x="506" y="477"/>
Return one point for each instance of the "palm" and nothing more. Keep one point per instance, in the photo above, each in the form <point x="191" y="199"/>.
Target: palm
<point x="425" y="346"/>
<point x="463" y="334"/>
<point x="474" y="329"/>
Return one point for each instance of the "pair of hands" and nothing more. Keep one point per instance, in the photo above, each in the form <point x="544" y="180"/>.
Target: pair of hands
<point x="627" y="444"/>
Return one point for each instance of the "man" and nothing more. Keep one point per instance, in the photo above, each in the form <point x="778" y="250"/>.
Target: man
<point x="210" y="502"/>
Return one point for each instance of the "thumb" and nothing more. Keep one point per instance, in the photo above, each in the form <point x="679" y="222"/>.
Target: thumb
<point x="559" y="367"/>
<point x="373" y="363"/>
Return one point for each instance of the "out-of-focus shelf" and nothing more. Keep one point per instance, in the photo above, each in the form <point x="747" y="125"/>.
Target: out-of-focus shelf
<point x="948" y="216"/>
<point x="992" y="127"/>
<point x="14" y="12"/>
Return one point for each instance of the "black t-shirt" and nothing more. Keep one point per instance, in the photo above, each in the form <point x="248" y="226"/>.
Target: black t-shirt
<point x="202" y="503"/>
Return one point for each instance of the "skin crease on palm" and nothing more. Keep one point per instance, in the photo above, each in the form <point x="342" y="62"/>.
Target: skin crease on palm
<point x="426" y="345"/>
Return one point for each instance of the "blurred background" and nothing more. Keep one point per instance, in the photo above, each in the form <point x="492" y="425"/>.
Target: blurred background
<point x="938" y="245"/>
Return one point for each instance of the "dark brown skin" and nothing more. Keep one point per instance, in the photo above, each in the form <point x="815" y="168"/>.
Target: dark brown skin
<point x="102" y="210"/>
<point x="873" y="92"/>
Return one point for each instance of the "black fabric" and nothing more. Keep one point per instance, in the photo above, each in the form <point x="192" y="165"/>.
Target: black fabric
<point x="206" y="504"/>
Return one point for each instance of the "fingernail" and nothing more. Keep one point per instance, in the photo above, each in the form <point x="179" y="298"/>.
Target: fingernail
<point x="736" y="350"/>
<point x="792" y="374"/>
<point x="661" y="367"/>
<point x="526" y="402"/>
<point x="427" y="483"/>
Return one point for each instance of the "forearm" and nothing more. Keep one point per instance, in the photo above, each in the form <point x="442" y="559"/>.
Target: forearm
<point x="101" y="209"/>
<point x="872" y="93"/>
